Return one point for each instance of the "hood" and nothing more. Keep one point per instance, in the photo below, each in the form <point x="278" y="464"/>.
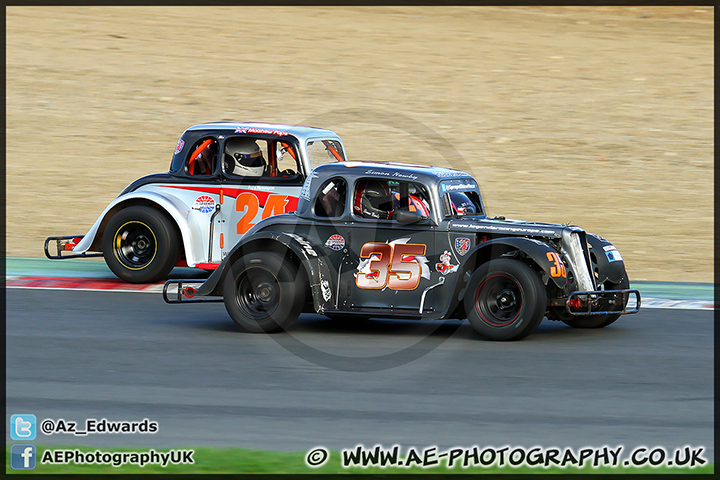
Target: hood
<point x="477" y="224"/>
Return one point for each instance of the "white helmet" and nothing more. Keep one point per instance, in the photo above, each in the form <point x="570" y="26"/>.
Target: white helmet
<point x="244" y="157"/>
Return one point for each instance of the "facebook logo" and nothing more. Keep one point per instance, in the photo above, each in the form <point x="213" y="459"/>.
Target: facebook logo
<point x="22" y="457"/>
<point x="23" y="427"/>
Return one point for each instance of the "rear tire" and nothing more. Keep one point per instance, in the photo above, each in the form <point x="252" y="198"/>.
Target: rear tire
<point x="600" y="321"/>
<point x="262" y="292"/>
<point x="505" y="300"/>
<point x="140" y="244"/>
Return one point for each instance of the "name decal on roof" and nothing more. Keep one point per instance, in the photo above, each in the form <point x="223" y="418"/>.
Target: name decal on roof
<point x="263" y="131"/>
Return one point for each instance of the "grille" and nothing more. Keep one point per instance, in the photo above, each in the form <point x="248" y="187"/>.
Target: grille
<point x="576" y="254"/>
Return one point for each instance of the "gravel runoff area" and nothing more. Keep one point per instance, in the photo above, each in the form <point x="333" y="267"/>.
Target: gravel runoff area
<point x="598" y="116"/>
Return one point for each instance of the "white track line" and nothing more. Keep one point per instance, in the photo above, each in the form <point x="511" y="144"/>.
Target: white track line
<point x="647" y="302"/>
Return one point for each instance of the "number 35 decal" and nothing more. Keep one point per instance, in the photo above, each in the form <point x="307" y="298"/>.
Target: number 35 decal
<point x="394" y="266"/>
<point x="558" y="269"/>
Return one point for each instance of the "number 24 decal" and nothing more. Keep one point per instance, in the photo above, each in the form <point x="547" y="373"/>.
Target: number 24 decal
<point x="248" y="202"/>
<point x="392" y="265"/>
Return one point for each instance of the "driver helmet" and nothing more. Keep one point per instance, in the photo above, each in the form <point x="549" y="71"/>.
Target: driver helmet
<point x="373" y="200"/>
<point x="461" y="204"/>
<point x="244" y="157"/>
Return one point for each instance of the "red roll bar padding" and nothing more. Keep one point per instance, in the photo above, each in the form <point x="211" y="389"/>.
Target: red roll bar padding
<point x="191" y="162"/>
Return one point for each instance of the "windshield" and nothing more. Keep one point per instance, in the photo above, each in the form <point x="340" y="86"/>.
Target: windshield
<point x="461" y="197"/>
<point x="322" y="151"/>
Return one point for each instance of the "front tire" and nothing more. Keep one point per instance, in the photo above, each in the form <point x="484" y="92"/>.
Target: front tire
<point x="262" y="292"/>
<point x="505" y="300"/>
<point x="600" y="321"/>
<point x="140" y="244"/>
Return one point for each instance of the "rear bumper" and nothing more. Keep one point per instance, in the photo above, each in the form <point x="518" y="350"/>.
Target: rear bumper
<point x="183" y="291"/>
<point x="596" y="302"/>
<point x="65" y="246"/>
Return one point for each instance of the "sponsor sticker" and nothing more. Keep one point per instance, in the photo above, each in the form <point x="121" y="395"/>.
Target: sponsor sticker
<point x="612" y="253"/>
<point x="335" y="242"/>
<point x="326" y="292"/>
<point x="180" y="145"/>
<point x="304" y="243"/>
<point x="462" y="245"/>
<point x="305" y="192"/>
<point x="598" y="237"/>
<point x="458" y="185"/>
<point x="445" y="266"/>
<point x="204" y="203"/>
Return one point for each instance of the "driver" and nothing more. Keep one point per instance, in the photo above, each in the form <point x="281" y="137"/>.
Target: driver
<point x="373" y="200"/>
<point x="244" y="157"/>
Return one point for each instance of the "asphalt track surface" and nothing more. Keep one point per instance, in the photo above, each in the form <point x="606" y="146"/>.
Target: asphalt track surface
<point x="645" y="381"/>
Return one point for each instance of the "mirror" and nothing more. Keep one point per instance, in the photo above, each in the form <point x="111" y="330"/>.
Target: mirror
<point x="405" y="217"/>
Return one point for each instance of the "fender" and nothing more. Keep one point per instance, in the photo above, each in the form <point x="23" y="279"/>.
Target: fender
<point x="320" y="277"/>
<point x="172" y="205"/>
<point x="536" y="250"/>
<point x="614" y="270"/>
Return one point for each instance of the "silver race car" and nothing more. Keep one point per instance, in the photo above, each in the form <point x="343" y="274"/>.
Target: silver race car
<point x="223" y="179"/>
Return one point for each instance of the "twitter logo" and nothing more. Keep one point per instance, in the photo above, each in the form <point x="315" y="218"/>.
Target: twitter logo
<point x="23" y="427"/>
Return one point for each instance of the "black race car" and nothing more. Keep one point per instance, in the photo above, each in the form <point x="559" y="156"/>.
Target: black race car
<point x="408" y="241"/>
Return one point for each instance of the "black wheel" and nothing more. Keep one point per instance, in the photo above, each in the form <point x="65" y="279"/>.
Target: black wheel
<point x="140" y="244"/>
<point x="505" y="300"/>
<point x="262" y="292"/>
<point x="600" y="321"/>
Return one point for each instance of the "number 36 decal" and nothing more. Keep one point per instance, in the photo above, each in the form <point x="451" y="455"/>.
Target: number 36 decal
<point x="395" y="266"/>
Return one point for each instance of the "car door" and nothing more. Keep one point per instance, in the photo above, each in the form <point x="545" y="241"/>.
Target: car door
<point x="251" y="195"/>
<point x="200" y="191"/>
<point x="386" y="267"/>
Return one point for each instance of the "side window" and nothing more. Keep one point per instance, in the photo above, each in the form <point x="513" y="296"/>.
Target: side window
<point x="373" y="199"/>
<point x="412" y="198"/>
<point x="331" y="198"/>
<point x="286" y="159"/>
<point x="255" y="157"/>
<point x="460" y="197"/>
<point x="203" y="157"/>
<point x="321" y="152"/>
<point x="462" y="203"/>
<point x="380" y="199"/>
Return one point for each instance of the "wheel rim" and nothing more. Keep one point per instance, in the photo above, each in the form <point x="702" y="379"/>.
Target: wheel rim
<point x="258" y="293"/>
<point x="498" y="300"/>
<point x="135" y="245"/>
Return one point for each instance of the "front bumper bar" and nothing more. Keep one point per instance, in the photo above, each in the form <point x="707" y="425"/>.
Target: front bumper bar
<point x="592" y="302"/>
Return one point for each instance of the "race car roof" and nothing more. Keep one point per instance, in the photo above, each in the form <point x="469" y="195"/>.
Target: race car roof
<point x="299" y="131"/>
<point x="425" y="174"/>
<point x="429" y="176"/>
<point x="261" y="130"/>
